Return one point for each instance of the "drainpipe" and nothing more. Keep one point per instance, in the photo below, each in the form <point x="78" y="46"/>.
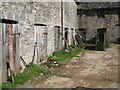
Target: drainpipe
<point x="61" y="23"/>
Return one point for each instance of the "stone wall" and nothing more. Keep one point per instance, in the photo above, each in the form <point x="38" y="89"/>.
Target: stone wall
<point x="70" y="18"/>
<point x="91" y="23"/>
<point x="112" y="20"/>
<point x="29" y="13"/>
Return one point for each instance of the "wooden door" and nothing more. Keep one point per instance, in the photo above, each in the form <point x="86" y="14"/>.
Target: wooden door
<point x="101" y="39"/>
<point x="14" y="57"/>
<point x="16" y="48"/>
<point x="57" y="38"/>
<point x="5" y="51"/>
<point x="41" y="40"/>
<point x="10" y="44"/>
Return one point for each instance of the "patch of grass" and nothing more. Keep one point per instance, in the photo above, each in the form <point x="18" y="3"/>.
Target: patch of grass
<point x="71" y="52"/>
<point x="30" y="71"/>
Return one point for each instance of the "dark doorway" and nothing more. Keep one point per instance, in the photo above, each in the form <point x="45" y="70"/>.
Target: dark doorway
<point x="101" y="39"/>
<point x="66" y="37"/>
<point x="82" y="33"/>
<point x="80" y="36"/>
<point x="57" y="38"/>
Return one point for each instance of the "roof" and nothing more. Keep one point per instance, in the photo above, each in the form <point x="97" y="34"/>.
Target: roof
<point x="98" y="5"/>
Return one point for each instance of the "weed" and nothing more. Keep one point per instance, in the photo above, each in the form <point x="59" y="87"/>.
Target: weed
<point x="71" y="52"/>
<point x="30" y="71"/>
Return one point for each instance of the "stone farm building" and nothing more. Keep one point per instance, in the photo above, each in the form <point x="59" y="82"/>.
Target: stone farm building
<point x="102" y="15"/>
<point x="33" y="30"/>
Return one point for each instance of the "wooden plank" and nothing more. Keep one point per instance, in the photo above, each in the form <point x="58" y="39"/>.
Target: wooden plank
<point x="11" y="56"/>
<point x="4" y="67"/>
<point x="16" y="49"/>
<point x="1" y="53"/>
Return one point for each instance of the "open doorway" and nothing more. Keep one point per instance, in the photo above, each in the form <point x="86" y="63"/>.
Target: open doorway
<point x="57" y="38"/>
<point x="82" y="33"/>
<point x="101" y="39"/>
<point x="66" y="37"/>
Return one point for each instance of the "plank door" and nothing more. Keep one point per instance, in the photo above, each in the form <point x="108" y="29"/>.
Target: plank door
<point x="16" y="47"/>
<point x="57" y="38"/>
<point x="10" y="48"/>
<point x="5" y="51"/>
<point x="41" y="39"/>
<point x="101" y="39"/>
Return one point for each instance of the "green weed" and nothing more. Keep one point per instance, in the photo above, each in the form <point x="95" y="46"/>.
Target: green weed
<point x="62" y="55"/>
<point x="30" y="71"/>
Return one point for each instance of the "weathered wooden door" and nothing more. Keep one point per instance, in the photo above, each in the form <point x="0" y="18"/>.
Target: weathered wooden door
<point x="57" y="38"/>
<point x="101" y="39"/>
<point x="5" y="51"/>
<point x="10" y="44"/>
<point x="41" y="40"/>
<point x="16" y="48"/>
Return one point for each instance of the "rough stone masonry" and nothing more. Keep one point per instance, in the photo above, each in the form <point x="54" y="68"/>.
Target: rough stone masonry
<point x="29" y="13"/>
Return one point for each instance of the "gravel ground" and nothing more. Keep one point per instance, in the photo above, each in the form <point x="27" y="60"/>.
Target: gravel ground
<point x="96" y="69"/>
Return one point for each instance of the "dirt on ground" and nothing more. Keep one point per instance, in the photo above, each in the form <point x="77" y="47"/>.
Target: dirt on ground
<point x="93" y="69"/>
